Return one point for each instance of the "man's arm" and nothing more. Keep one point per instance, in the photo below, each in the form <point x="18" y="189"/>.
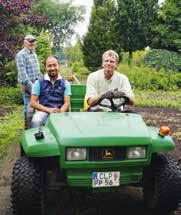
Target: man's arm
<point x="91" y="101"/>
<point x="39" y="75"/>
<point x="131" y="100"/>
<point x="65" y="107"/>
<point x="36" y="105"/>
<point x="22" y="74"/>
<point x="126" y="88"/>
<point x="67" y="93"/>
<point x="91" y="92"/>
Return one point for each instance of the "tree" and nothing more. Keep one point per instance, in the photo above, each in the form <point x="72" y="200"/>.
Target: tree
<point x="9" y="18"/>
<point x="61" y="19"/>
<point x="134" y="21"/>
<point x="74" y="53"/>
<point x="43" y="48"/>
<point x="14" y="15"/>
<point x="101" y="34"/>
<point x="75" y="59"/>
<point x="169" y="28"/>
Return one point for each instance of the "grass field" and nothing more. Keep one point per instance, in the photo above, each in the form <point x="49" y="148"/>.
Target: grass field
<point x="10" y="128"/>
<point x="159" y="98"/>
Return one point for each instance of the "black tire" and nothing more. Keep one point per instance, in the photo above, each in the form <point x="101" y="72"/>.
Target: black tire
<point x="9" y="211"/>
<point x="162" y="185"/>
<point x="27" y="188"/>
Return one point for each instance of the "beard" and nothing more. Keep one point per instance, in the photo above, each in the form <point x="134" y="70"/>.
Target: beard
<point x="53" y="74"/>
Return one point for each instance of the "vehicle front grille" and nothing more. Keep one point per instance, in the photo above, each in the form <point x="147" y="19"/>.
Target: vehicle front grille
<point x="107" y="153"/>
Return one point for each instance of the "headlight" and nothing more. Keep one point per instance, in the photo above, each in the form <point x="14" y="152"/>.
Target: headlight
<point x="136" y="152"/>
<point x="75" y="154"/>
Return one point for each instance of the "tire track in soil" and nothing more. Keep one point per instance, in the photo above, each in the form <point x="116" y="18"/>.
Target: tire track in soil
<point x="128" y="201"/>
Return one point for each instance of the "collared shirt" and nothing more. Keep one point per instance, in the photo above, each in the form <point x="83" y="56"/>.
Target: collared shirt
<point x="36" y="86"/>
<point x="97" y="84"/>
<point x="28" y="67"/>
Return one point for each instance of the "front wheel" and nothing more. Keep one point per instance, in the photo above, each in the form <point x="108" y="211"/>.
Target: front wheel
<point x="162" y="185"/>
<point x="27" y="188"/>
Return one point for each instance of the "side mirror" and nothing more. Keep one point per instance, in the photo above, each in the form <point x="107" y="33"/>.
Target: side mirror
<point x="39" y="135"/>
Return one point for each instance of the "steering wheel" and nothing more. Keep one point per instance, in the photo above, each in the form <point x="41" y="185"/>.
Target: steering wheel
<point x="111" y="95"/>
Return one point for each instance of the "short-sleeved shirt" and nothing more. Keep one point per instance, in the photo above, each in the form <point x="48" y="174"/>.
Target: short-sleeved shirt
<point x="28" y="66"/>
<point x="97" y="84"/>
<point x="36" y="86"/>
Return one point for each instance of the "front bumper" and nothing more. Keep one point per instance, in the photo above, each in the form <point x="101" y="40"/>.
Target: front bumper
<point x="83" y="178"/>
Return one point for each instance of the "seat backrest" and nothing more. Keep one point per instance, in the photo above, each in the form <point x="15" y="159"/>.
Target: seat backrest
<point x="77" y="97"/>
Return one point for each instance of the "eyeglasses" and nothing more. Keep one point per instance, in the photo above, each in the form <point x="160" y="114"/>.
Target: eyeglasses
<point x="31" y="41"/>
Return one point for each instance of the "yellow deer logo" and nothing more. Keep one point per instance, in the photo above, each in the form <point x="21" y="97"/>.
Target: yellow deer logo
<point x="107" y="154"/>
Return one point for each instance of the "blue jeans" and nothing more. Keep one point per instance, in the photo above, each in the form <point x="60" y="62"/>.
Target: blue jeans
<point x="39" y="119"/>
<point x="28" y="110"/>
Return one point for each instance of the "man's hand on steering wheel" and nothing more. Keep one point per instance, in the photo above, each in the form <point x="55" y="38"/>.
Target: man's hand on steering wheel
<point x="118" y="94"/>
<point x="111" y="95"/>
<point x="107" y="95"/>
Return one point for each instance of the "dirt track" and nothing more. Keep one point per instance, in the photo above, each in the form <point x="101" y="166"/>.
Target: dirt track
<point x="130" y="201"/>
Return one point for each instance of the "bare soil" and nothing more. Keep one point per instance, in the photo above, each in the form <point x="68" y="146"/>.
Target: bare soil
<point x="129" y="201"/>
<point x="4" y="111"/>
<point x="165" y="116"/>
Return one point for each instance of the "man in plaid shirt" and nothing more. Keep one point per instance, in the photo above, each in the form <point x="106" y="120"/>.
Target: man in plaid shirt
<point x="28" y="71"/>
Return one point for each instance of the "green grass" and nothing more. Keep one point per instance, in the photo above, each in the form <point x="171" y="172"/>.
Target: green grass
<point x="10" y="129"/>
<point x="158" y="98"/>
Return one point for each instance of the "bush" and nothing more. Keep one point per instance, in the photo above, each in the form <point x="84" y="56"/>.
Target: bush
<point x="168" y="60"/>
<point x="138" y="57"/>
<point x="10" y="96"/>
<point x="145" y="78"/>
<point x="9" y="74"/>
<point x="79" y="69"/>
<point x="75" y="57"/>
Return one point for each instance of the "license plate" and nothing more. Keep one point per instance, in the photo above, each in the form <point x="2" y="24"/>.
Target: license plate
<point x="105" y="179"/>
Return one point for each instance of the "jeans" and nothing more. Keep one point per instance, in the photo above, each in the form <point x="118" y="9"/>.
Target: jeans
<point x="39" y="119"/>
<point x="28" y="110"/>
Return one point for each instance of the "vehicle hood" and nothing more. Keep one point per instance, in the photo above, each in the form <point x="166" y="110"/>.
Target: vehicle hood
<point x="98" y="128"/>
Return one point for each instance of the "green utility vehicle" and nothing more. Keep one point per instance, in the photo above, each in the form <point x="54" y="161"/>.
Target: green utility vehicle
<point x="97" y="152"/>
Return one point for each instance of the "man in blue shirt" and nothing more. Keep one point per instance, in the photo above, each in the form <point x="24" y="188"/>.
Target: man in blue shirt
<point x="50" y="94"/>
<point x="28" y="71"/>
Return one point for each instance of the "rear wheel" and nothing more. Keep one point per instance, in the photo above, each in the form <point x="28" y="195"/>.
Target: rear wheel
<point x="28" y="196"/>
<point x="162" y="185"/>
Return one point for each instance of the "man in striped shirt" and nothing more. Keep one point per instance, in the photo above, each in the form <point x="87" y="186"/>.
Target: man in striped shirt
<point x="28" y="71"/>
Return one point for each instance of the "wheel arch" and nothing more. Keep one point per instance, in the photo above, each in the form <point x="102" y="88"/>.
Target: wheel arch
<point x="45" y="147"/>
<point x="160" y="143"/>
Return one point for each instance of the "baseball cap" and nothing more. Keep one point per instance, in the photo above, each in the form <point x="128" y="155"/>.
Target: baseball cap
<point x="30" y="38"/>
